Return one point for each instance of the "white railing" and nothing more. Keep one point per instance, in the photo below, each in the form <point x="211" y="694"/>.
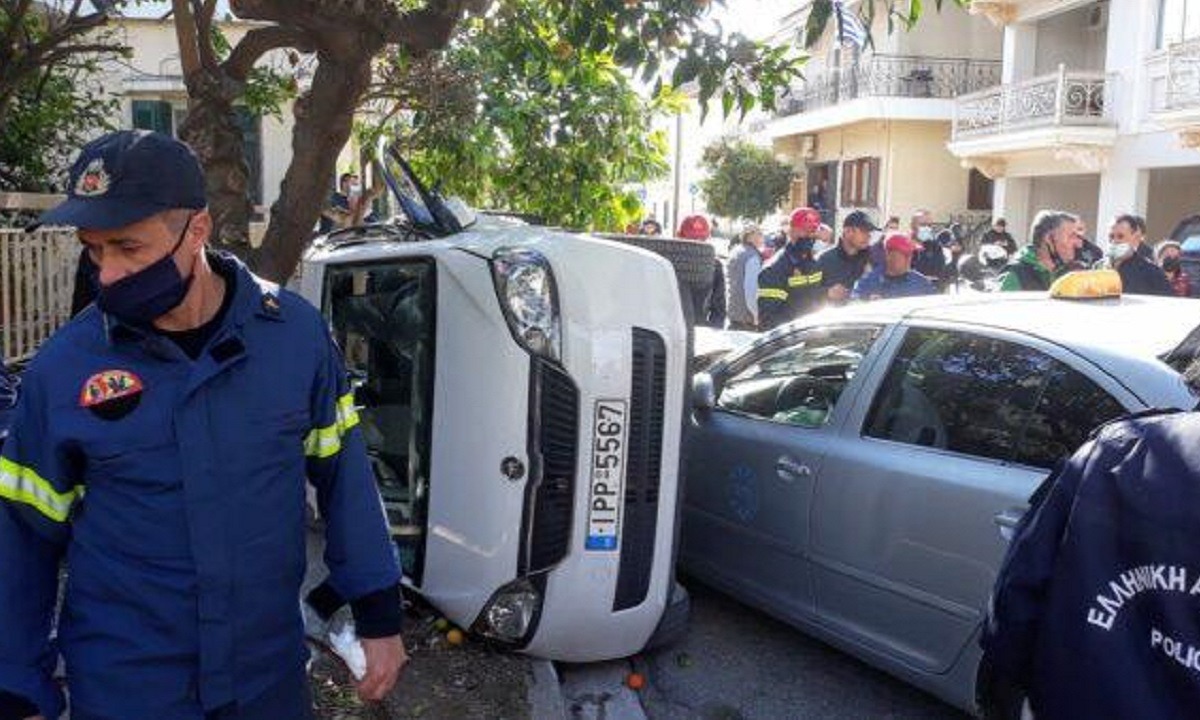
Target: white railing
<point x="884" y="75"/>
<point x="1057" y="99"/>
<point x="37" y="272"/>
<point x="1180" y="77"/>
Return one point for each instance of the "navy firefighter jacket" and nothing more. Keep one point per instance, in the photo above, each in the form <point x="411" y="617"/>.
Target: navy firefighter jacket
<point x="175" y="488"/>
<point x="1096" y="612"/>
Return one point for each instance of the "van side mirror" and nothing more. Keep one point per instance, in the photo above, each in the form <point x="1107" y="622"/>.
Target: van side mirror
<point x="704" y="392"/>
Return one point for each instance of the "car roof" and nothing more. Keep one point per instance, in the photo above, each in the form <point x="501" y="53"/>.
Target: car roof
<point x="1139" y="325"/>
<point x="1126" y="337"/>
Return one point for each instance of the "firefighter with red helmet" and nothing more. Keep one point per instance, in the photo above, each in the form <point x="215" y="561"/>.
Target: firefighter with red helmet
<point x="790" y="283"/>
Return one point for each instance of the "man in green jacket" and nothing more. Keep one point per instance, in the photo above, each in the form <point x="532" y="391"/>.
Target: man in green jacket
<point x="1052" y="248"/>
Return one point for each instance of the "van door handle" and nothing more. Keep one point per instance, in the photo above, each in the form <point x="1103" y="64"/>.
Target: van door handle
<point x="789" y="470"/>
<point x="1007" y="522"/>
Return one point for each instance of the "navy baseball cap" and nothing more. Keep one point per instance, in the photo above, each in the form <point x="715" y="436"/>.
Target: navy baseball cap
<point x="127" y="176"/>
<point x="859" y="219"/>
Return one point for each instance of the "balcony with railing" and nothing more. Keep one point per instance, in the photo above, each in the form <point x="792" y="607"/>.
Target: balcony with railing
<point x="1063" y="98"/>
<point x="889" y="76"/>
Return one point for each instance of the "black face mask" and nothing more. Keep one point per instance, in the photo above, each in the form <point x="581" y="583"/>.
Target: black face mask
<point x="1171" y="265"/>
<point x="150" y="293"/>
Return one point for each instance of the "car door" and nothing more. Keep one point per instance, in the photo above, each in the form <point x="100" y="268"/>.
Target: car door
<point x="753" y="460"/>
<point x="910" y="519"/>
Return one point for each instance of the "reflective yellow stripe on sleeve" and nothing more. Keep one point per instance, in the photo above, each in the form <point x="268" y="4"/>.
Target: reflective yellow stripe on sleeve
<point x="326" y="441"/>
<point x="21" y="484"/>
<point x="773" y="294"/>
<point x="804" y="280"/>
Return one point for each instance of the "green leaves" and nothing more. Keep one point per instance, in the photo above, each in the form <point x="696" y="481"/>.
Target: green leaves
<point x="744" y="180"/>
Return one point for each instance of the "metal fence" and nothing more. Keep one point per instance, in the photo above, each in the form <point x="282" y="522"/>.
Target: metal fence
<point x="37" y="272"/>
<point x="883" y="75"/>
<point x="1056" y="99"/>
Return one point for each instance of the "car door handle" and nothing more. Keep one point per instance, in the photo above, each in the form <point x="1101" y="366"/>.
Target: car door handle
<point x="1007" y="522"/>
<point x="789" y="470"/>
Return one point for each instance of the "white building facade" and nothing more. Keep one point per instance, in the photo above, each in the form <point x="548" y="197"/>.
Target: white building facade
<point x="1097" y="112"/>
<point x="152" y="96"/>
<point x="867" y="128"/>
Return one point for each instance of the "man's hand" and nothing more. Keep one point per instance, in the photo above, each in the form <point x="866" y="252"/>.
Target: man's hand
<point x="386" y="658"/>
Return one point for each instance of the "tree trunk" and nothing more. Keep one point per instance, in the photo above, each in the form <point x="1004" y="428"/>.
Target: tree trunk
<point x="324" y="117"/>
<point x="212" y="131"/>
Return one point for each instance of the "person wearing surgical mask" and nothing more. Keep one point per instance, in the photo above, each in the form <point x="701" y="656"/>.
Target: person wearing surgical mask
<point x="1139" y="276"/>
<point x="929" y="261"/>
<point x="1170" y="259"/>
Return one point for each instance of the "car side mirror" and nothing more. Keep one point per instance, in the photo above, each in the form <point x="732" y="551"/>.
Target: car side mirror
<point x="704" y="392"/>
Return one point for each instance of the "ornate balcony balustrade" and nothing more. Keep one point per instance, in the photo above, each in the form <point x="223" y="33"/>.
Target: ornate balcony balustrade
<point x="1058" y="99"/>
<point x="1182" y="91"/>
<point x="881" y="75"/>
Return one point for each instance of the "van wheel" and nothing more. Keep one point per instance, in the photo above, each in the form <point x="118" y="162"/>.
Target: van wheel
<point x="673" y="625"/>
<point x="693" y="261"/>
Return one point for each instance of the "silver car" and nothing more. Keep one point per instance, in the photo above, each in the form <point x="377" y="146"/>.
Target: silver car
<point x="857" y="473"/>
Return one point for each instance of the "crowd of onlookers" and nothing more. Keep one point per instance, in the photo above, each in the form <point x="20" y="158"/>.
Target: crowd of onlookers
<point x="771" y="278"/>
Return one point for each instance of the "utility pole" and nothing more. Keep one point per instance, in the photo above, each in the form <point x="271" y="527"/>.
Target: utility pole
<point x="670" y="230"/>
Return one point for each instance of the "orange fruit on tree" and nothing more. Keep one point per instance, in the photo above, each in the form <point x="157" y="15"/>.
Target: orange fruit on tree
<point x="455" y="636"/>
<point x="635" y="681"/>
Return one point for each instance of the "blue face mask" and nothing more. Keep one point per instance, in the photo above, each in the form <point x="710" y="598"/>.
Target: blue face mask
<point x="148" y="294"/>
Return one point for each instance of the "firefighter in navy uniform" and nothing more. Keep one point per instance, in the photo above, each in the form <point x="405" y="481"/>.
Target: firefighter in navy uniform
<point x="1096" y="611"/>
<point x="790" y="283"/>
<point x="161" y="445"/>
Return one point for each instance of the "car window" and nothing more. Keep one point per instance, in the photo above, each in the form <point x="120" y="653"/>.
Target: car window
<point x="1067" y="411"/>
<point x="986" y="397"/>
<point x="799" y="384"/>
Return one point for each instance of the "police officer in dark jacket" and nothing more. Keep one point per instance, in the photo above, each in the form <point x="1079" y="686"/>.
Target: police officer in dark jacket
<point x="1127" y="250"/>
<point x="790" y="284"/>
<point x="1096" y="611"/>
<point x="843" y="264"/>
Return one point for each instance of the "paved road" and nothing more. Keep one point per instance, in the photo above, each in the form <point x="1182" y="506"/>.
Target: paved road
<point x="738" y="664"/>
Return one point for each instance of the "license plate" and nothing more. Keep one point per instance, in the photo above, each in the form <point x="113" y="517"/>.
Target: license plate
<point x="608" y="475"/>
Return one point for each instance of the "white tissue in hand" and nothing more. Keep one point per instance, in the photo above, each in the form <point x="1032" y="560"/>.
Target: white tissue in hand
<point x="345" y="643"/>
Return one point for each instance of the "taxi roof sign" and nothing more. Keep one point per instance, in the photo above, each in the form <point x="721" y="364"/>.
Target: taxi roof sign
<point x="1087" y="285"/>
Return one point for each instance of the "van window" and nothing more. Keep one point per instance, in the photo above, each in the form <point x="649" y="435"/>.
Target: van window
<point x="383" y="319"/>
<point x="800" y="383"/>
<point x="986" y="397"/>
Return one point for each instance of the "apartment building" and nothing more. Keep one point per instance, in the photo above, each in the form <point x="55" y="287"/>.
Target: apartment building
<point x="149" y="87"/>
<point x="1097" y="111"/>
<point x="867" y="127"/>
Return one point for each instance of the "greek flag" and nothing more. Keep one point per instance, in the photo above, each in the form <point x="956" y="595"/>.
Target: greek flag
<point x="850" y="28"/>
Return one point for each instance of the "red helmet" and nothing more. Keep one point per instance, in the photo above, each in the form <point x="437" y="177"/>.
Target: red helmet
<point x="806" y="219"/>
<point x="694" y="227"/>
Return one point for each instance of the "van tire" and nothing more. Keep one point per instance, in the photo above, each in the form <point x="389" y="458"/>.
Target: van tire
<point x="693" y="261"/>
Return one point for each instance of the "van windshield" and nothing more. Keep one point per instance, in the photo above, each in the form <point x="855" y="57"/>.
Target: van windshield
<point x="383" y="318"/>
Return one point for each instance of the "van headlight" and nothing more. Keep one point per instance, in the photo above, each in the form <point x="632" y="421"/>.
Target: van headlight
<point x="529" y="297"/>
<point x="510" y="614"/>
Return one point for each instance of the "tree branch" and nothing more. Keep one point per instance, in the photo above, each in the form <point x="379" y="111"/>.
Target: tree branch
<point x="203" y="15"/>
<point x="259" y="42"/>
<point x="429" y="28"/>
<point x="185" y="33"/>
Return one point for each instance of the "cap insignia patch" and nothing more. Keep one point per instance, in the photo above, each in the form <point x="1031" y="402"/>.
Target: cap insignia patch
<point x="94" y="180"/>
